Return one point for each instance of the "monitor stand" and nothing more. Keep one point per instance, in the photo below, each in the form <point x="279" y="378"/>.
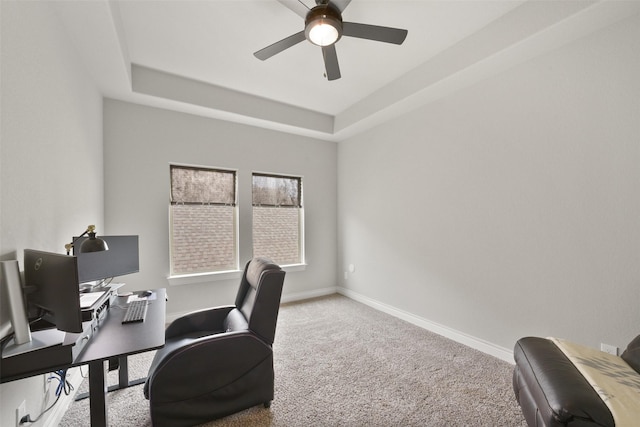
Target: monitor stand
<point x="11" y="285"/>
<point x="39" y="340"/>
<point x="49" y="349"/>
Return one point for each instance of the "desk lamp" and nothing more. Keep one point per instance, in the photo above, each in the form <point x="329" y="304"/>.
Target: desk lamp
<point x="92" y="244"/>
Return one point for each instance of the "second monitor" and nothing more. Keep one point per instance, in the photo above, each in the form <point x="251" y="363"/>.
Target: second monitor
<point x="121" y="258"/>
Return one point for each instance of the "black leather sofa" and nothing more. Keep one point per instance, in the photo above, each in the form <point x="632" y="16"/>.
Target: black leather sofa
<point x="552" y="392"/>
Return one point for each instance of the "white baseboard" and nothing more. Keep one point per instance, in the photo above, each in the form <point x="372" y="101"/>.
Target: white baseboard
<point x="468" y="340"/>
<point x="299" y="296"/>
<point x="289" y="297"/>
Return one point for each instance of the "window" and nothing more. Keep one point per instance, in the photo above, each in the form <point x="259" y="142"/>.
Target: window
<point x="203" y="218"/>
<point x="278" y="218"/>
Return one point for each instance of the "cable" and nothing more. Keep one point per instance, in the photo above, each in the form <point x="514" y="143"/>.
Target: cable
<point x="63" y="386"/>
<point x="82" y="374"/>
<point x="104" y="282"/>
<point x="5" y="340"/>
<point x="27" y="418"/>
<point x="63" y="383"/>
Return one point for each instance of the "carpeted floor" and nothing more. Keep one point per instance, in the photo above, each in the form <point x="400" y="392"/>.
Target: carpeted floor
<point x="341" y="363"/>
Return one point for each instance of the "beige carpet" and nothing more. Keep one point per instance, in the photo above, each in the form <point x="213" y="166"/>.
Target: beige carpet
<point x="341" y="363"/>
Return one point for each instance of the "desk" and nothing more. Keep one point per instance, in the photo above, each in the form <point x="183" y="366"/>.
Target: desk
<point x="115" y="340"/>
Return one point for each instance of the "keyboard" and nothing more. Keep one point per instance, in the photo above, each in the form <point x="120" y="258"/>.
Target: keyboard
<point x="136" y="312"/>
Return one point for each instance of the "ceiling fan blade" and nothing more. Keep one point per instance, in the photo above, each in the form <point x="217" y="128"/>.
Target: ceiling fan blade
<point x="331" y="62"/>
<point x="374" y="32"/>
<point x="341" y="5"/>
<point x="297" y="6"/>
<point x="278" y="47"/>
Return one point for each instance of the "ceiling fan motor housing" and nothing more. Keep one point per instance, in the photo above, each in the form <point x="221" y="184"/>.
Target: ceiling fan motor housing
<point x="323" y="15"/>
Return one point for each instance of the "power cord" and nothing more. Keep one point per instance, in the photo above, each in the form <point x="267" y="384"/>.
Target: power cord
<point x="64" y="386"/>
<point x="104" y="282"/>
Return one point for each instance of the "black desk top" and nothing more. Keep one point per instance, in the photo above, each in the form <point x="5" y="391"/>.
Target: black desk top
<point x="114" y="339"/>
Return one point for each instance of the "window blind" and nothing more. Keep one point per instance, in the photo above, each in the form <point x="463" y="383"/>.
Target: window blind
<point x="282" y="191"/>
<point x="191" y="185"/>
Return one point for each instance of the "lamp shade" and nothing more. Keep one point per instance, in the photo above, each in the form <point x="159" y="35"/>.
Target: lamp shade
<point x="93" y="244"/>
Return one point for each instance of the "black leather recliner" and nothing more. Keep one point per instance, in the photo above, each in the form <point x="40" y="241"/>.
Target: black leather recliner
<point x="219" y="361"/>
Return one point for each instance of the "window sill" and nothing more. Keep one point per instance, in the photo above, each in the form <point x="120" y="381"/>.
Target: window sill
<point x="188" y="279"/>
<point x="294" y="267"/>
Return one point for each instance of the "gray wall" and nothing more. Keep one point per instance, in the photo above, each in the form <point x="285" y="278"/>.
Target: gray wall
<point x="509" y="208"/>
<point x="140" y="143"/>
<point x="51" y="153"/>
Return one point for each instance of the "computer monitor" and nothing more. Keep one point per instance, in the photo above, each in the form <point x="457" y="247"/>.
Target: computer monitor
<point x="121" y="259"/>
<point x="51" y="284"/>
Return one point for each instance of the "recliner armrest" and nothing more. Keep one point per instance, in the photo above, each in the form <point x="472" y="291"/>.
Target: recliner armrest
<point x="191" y="360"/>
<point x="210" y="319"/>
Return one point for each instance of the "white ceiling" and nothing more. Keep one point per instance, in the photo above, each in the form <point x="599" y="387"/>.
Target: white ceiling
<point x="214" y="41"/>
<point x="197" y="56"/>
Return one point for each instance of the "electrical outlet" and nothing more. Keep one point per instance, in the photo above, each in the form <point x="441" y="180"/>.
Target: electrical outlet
<point x="21" y="411"/>
<point x="611" y="349"/>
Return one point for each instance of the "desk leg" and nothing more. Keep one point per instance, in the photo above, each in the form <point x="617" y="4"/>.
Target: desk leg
<point x="123" y="376"/>
<point x="123" y="372"/>
<point x="97" y="394"/>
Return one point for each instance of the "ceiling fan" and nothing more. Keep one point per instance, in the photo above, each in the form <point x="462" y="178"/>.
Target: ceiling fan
<point x="323" y="26"/>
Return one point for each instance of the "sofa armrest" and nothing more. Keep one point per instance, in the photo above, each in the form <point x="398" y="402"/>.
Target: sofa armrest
<point x="551" y="390"/>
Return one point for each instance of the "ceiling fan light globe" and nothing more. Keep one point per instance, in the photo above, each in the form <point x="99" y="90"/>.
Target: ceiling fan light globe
<point x="323" y="25"/>
<point x="323" y="34"/>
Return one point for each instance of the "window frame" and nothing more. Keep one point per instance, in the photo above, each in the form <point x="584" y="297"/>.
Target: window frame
<point x="301" y="215"/>
<point x="199" y="277"/>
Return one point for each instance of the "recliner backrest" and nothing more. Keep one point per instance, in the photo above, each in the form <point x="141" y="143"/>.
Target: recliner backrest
<point x="259" y="295"/>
